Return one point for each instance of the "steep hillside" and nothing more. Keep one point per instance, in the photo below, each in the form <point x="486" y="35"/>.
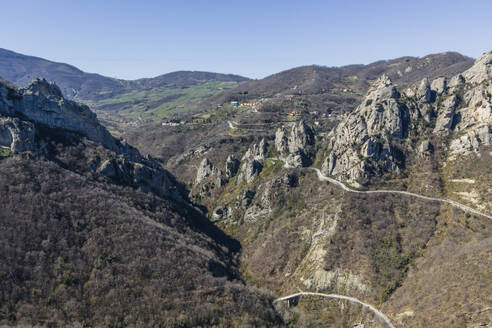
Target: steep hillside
<point x="421" y="255"/>
<point x="94" y="234"/>
<point x="320" y="96"/>
<point x="374" y="184"/>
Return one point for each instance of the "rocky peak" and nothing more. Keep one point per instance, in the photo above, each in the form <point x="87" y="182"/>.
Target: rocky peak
<point x="256" y="151"/>
<point x="381" y="82"/>
<point x="41" y="102"/>
<point x="424" y="93"/>
<point x="294" y="145"/>
<point x="300" y="137"/>
<point x="382" y="88"/>
<point x="481" y="70"/>
<point x="361" y="144"/>
<point x="446" y="115"/>
<point x="205" y="169"/>
<point x="250" y="169"/>
<point x="366" y="142"/>
<point x="252" y="162"/>
<point x="473" y="116"/>
<point x="41" y="106"/>
<point x="41" y="87"/>
<point x="281" y="140"/>
<point x="439" y="85"/>
<point x="232" y="166"/>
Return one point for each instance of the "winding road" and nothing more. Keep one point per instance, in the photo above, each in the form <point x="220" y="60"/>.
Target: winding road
<point x="340" y="184"/>
<point x="465" y="208"/>
<point x="378" y="313"/>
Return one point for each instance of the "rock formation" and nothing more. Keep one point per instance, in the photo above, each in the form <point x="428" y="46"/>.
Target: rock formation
<point x="232" y="166"/>
<point x="361" y="143"/>
<point x="25" y="112"/>
<point x="373" y="139"/>
<point x="252" y="162"/>
<point x="205" y="170"/>
<point x="250" y="169"/>
<point x="473" y="114"/>
<point x="294" y="145"/>
<point x="16" y="134"/>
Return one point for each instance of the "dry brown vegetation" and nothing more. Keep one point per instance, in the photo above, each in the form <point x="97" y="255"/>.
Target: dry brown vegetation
<point x="76" y="250"/>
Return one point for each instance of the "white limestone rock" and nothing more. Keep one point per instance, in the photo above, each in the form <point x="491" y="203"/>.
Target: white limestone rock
<point x="16" y="134"/>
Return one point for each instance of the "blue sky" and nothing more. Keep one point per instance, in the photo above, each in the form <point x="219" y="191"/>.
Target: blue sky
<point x="133" y="39"/>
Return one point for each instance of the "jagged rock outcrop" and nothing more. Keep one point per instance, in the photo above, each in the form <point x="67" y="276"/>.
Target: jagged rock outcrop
<point x="146" y="175"/>
<point x="251" y="162"/>
<point x="446" y="118"/>
<point x="247" y="198"/>
<point x="473" y="118"/>
<point x="26" y="114"/>
<point x="295" y="145"/>
<point x="471" y="141"/>
<point x="214" y="177"/>
<point x="439" y="85"/>
<point x="256" y="152"/>
<point x="281" y="143"/>
<point x="42" y="102"/>
<point x="250" y="169"/>
<point x="373" y="139"/>
<point x="16" y="134"/>
<point x="232" y="166"/>
<point x="205" y="170"/>
<point x="267" y="194"/>
<point x="481" y="71"/>
<point x="424" y="93"/>
<point x="209" y="177"/>
<point x="361" y="144"/>
<point x="222" y="214"/>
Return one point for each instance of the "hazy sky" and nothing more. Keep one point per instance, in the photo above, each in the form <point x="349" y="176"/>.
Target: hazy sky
<point x="133" y="39"/>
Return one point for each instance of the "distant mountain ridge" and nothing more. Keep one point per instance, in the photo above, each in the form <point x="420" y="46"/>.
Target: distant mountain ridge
<point x="21" y="69"/>
<point x="76" y="84"/>
<point x="316" y="79"/>
<point x="123" y="103"/>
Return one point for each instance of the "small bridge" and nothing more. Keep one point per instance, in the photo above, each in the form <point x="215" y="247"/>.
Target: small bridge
<point x="295" y="297"/>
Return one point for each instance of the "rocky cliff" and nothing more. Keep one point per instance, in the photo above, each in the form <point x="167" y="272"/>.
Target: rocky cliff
<point x="26" y="113"/>
<point x="391" y="124"/>
<point x="295" y="144"/>
<point x="432" y="138"/>
<point x="42" y="102"/>
<point x="94" y="234"/>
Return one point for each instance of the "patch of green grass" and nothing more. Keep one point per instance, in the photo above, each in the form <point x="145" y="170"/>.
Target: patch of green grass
<point x="270" y="167"/>
<point x="5" y="151"/>
<point x="156" y="104"/>
<point x="352" y="78"/>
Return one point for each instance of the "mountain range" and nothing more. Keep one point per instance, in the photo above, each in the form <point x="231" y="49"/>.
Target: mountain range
<point x="367" y="181"/>
<point x="126" y="100"/>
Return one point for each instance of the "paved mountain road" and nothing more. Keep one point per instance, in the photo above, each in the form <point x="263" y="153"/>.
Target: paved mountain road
<point x="340" y="184"/>
<point x="378" y="313"/>
<point x="465" y="208"/>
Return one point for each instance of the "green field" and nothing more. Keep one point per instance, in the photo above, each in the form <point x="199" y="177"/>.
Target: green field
<point x="155" y="104"/>
<point x="4" y="151"/>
